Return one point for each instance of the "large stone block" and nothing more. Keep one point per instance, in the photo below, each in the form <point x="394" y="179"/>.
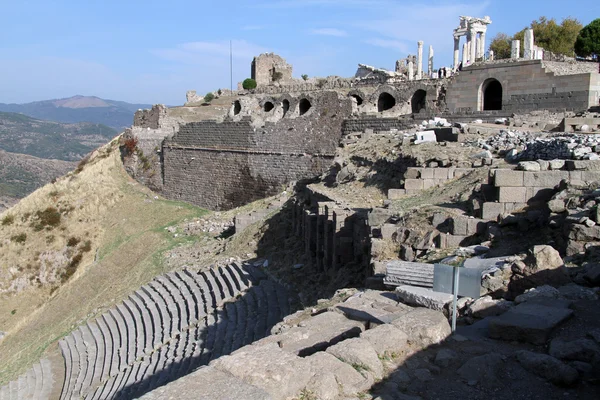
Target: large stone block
<point x="545" y="179"/>
<point x="358" y="352"/>
<point x="458" y="225"/>
<point x="427" y="173"/>
<point x="418" y="296"/>
<point x="491" y="211"/>
<point x="395" y="194"/>
<point x="509" y="178"/>
<point x="424" y="327"/>
<point x="512" y="194"/>
<point x="413" y="184"/>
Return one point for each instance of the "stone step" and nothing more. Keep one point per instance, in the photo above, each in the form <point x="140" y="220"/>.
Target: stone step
<point x="241" y="312"/>
<point x="180" y="301"/>
<point x="188" y="297"/>
<point x="236" y="278"/>
<point x="91" y="355"/>
<point x="148" y="323"/>
<point x="273" y="311"/>
<point x="255" y="273"/>
<point x="213" y="289"/>
<point x="204" y="290"/>
<point x="115" y="339"/>
<point x="199" y="303"/>
<point x="100" y="353"/>
<point x="47" y="380"/>
<point x="232" y="327"/>
<point x="243" y="274"/>
<point x="71" y="366"/>
<point x="252" y="314"/>
<point x="198" y="341"/>
<point x="166" y="320"/>
<point x="221" y="328"/>
<point x="121" y="329"/>
<point x="4" y="393"/>
<point x="80" y="351"/>
<point x="220" y="284"/>
<point x="261" y="305"/>
<point x="155" y="315"/>
<point x="130" y="338"/>
<point x="171" y="305"/>
<point x="211" y="334"/>
<point x="39" y="381"/>
<point x="13" y="389"/>
<point x="22" y="386"/>
<point x="283" y="297"/>
<point x="139" y="327"/>
<point x="229" y="288"/>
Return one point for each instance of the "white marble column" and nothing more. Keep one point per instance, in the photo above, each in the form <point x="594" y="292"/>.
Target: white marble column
<point x="477" y="47"/>
<point x="419" y="59"/>
<point x="515" y="49"/>
<point x="411" y="71"/>
<point x="456" y="51"/>
<point x="482" y="44"/>
<point x="473" y="49"/>
<point x="465" y="54"/>
<point x="430" y="62"/>
<point x="491" y="58"/>
<point x="529" y="42"/>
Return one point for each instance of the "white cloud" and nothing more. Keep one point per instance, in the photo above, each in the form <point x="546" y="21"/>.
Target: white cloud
<point x="252" y="28"/>
<point x="329" y="32"/>
<point x="207" y="52"/>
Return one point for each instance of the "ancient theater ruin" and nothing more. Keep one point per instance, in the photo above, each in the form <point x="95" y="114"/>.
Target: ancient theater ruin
<point x="377" y="179"/>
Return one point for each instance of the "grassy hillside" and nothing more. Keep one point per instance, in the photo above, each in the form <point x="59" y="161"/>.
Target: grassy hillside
<point x="21" y="174"/>
<point x="75" y="247"/>
<point x="115" y="114"/>
<point x="52" y="140"/>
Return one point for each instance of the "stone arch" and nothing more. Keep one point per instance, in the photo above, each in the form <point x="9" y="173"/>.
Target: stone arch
<point x="237" y="107"/>
<point x="304" y="105"/>
<point x="268" y="106"/>
<point x="490" y="95"/>
<point x="358" y="98"/>
<point x="418" y="101"/>
<point x="285" y="105"/>
<point x="385" y="102"/>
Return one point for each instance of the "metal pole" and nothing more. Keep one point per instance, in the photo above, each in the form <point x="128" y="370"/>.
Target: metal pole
<point x="231" y="66"/>
<point x="455" y="293"/>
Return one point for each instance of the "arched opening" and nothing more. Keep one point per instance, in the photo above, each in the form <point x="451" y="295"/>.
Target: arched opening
<point x="268" y="106"/>
<point x="492" y="95"/>
<point x="385" y="102"/>
<point x="358" y="99"/>
<point x="237" y="107"/>
<point x="418" y="101"/>
<point x="304" y="106"/>
<point x="285" y="104"/>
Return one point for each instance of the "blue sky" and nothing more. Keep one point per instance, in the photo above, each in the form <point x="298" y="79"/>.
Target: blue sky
<point x="153" y="51"/>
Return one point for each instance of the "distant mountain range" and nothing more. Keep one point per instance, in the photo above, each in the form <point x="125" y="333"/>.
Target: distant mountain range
<point x="52" y="140"/>
<point x="116" y="114"/>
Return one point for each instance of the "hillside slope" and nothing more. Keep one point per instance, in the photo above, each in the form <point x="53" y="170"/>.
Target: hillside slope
<point x="116" y="114"/>
<point x="75" y="247"/>
<point x="21" y="174"/>
<point x="53" y="140"/>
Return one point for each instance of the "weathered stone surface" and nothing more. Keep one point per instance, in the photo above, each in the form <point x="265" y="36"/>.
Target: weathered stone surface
<point x="444" y="358"/>
<point x="557" y="206"/>
<point x="546" y="292"/>
<point x="547" y="367"/>
<point x="317" y="333"/>
<point x="360" y="354"/>
<point x="529" y="166"/>
<point x="544" y="257"/>
<point x="528" y="322"/>
<point x="386" y="339"/>
<point x="576" y="292"/>
<point x="418" y="296"/>
<point x="424" y="327"/>
<point x="372" y="306"/>
<point x="585" y="350"/>
<point x="349" y="378"/>
<point x="208" y="383"/>
<point x="277" y="372"/>
<point x="481" y="368"/>
<point x="487" y="307"/>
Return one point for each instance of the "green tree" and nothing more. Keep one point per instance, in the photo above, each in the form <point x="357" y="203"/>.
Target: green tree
<point x="209" y="97"/>
<point x="501" y="45"/>
<point x="549" y="35"/>
<point x="588" y="41"/>
<point x="249" y="84"/>
<point x="305" y="77"/>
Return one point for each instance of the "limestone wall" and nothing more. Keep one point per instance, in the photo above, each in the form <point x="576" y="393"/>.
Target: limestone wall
<point x="228" y="164"/>
<point x="526" y="85"/>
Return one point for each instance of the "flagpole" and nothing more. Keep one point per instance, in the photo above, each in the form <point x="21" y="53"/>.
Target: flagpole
<point x="231" y="66"/>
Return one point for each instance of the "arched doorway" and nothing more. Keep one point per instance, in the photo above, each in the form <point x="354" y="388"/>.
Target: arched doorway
<point x="385" y="102"/>
<point x="358" y="99"/>
<point x="304" y="106"/>
<point x="491" y="95"/>
<point x="285" y="104"/>
<point x="418" y="101"/>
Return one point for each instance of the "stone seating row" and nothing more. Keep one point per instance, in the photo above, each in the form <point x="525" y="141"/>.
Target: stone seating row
<point x="37" y="383"/>
<point x="167" y="328"/>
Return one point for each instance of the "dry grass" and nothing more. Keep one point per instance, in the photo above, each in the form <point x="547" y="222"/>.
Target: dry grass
<point x="120" y="235"/>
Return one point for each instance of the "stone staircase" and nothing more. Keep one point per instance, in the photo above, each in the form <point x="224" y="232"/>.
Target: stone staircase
<point x="166" y="329"/>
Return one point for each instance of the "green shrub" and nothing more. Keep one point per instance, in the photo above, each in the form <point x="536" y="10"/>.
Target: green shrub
<point x="130" y="145"/>
<point x="72" y="242"/>
<point x="8" y="220"/>
<point x="209" y="97"/>
<point x="305" y="77"/>
<point x="249" y="84"/>
<point x="20" y="238"/>
<point x="49" y="218"/>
